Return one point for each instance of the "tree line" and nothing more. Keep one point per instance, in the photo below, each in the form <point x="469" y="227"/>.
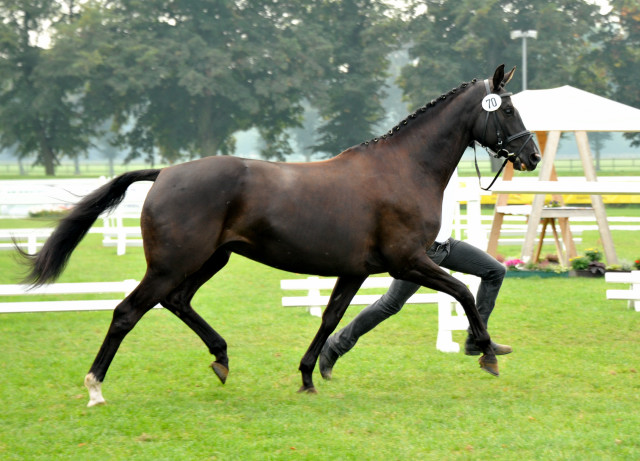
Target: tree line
<point x="178" y="78"/>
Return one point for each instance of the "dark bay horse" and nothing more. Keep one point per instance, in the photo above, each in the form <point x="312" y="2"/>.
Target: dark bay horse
<point x="374" y="208"/>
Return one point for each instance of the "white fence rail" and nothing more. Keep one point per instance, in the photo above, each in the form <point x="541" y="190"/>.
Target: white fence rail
<point x="18" y="198"/>
<point x="632" y="294"/>
<point x="29" y="240"/>
<point x="125" y="287"/>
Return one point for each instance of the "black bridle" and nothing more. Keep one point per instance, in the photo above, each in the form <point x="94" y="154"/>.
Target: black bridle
<point x="500" y="150"/>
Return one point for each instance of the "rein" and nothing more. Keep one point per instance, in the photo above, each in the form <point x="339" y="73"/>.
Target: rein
<point x="501" y="146"/>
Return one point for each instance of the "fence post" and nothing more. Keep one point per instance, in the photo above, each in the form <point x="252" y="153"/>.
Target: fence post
<point x="316" y="311"/>
<point x="122" y="237"/>
<point x="32" y="243"/>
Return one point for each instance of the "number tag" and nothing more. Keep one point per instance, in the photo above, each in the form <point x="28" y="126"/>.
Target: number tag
<point x="491" y="102"/>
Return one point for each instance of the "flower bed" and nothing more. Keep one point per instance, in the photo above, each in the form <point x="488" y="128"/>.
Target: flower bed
<point x="587" y="265"/>
<point x="546" y="268"/>
<point x="534" y="273"/>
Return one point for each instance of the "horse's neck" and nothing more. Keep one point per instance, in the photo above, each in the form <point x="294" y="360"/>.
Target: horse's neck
<point x="448" y="132"/>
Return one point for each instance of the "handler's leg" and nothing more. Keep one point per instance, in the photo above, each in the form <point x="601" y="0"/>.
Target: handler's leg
<point x="468" y="259"/>
<point x="343" y="341"/>
<point x="389" y="304"/>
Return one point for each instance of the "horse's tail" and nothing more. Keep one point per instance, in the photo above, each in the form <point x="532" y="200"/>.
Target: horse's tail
<point x="48" y="264"/>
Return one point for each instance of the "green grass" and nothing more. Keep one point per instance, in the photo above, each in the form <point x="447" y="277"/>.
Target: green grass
<point x="570" y="391"/>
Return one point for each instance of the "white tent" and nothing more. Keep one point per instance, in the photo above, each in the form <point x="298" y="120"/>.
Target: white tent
<point x="569" y="109"/>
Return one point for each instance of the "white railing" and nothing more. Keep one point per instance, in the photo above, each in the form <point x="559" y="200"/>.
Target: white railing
<point x="632" y="294"/>
<point x="125" y="287"/>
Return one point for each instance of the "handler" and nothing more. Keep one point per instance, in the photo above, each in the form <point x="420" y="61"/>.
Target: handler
<point x="447" y="252"/>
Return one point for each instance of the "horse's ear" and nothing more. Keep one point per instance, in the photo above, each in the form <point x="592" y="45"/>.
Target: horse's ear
<point x="497" y="77"/>
<point x="507" y="78"/>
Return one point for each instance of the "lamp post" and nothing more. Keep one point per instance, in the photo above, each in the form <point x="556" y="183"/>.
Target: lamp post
<point x="524" y="35"/>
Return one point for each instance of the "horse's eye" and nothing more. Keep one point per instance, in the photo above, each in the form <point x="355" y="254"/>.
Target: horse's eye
<point x="508" y="111"/>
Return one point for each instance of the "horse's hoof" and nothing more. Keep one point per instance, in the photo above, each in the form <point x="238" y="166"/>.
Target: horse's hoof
<point x="308" y="390"/>
<point x="490" y="365"/>
<point x="95" y="403"/>
<point x="221" y="371"/>
<point x="95" y="390"/>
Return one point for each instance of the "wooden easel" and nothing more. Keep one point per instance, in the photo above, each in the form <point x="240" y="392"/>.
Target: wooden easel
<point x="550" y="140"/>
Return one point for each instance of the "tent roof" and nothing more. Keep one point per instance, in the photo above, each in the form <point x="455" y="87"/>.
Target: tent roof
<point x="569" y="109"/>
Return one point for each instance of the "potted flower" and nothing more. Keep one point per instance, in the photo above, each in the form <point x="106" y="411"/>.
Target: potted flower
<point x="514" y="264"/>
<point x="624" y="267"/>
<point x="579" y="263"/>
<point x="588" y="265"/>
<point x="593" y="254"/>
<point x="597" y="269"/>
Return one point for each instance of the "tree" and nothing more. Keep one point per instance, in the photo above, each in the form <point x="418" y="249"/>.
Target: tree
<point x="189" y="74"/>
<point x="304" y="136"/>
<point x="349" y="100"/>
<point x="38" y="113"/>
<point x="597" y="141"/>
<point x="454" y="41"/>
<point x="621" y="53"/>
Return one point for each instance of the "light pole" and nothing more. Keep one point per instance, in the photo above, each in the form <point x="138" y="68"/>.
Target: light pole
<point x="524" y="35"/>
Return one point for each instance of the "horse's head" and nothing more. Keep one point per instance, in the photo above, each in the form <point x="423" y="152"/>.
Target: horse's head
<point x="500" y="128"/>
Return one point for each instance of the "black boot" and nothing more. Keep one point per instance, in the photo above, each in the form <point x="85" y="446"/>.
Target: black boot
<point x="470" y="348"/>
<point x="328" y="359"/>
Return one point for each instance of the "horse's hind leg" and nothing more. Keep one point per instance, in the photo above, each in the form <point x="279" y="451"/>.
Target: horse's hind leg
<point x="125" y="316"/>
<point x="427" y="273"/>
<point x="179" y="302"/>
<point x="343" y="292"/>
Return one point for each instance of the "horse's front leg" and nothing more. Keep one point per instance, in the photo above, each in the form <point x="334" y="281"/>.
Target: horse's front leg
<point x="427" y="273"/>
<point x="343" y="292"/>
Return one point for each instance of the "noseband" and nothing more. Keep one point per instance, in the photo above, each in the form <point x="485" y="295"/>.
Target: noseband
<point x="500" y="150"/>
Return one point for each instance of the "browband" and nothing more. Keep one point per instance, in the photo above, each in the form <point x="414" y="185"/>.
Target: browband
<point x="488" y="88"/>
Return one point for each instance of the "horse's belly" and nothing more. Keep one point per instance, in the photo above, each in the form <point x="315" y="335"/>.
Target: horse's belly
<point x="316" y="259"/>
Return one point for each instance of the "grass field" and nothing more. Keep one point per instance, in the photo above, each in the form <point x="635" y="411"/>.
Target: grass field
<point x="570" y="390"/>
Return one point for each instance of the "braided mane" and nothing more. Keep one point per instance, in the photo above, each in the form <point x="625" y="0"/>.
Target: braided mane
<point x="421" y="111"/>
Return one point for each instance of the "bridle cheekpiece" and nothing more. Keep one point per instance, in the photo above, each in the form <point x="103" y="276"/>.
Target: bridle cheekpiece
<point x="500" y="150"/>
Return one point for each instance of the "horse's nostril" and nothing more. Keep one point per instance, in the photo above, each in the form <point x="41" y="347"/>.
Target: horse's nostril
<point x="535" y="158"/>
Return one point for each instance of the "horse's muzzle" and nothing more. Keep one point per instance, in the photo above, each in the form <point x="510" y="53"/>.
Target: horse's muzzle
<point x="534" y="159"/>
<point x="528" y="155"/>
<point x="528" y="163"/>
